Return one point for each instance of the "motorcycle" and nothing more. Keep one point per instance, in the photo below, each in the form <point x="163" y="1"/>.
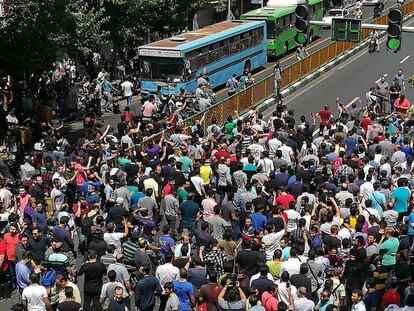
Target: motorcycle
<point x="372" y="45"/>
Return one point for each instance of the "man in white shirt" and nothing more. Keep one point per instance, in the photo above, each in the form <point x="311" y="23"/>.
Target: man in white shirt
<point x="357" y="303"/>
<point x="287" y="152"/>
<point x="272" y="240"/>
<point x="303" y="303"/>
<point x="266" y="164"/>
<point x="127" y="87"/>
<point x="292" y="265"/>
<point x="35" y="296"/>
<point x="274" y="144"/>
<point x="167" y="272"/>
<point x="256" y="149"/>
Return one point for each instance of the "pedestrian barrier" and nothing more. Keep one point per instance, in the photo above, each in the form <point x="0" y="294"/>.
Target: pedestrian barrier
<point x="264" y="89"/>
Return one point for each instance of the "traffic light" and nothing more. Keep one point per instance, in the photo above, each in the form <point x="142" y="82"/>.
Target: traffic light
<point x="346" y="29"/>
<point x="302" y="23"/>
<point x="394" y="30"/>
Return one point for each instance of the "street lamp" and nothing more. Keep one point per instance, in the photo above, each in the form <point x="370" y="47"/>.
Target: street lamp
<point x="230" y="15"/>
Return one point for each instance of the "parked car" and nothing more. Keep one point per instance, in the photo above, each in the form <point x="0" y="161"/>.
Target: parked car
<point x="370" y="2"/>
<point x="335" y="13"/>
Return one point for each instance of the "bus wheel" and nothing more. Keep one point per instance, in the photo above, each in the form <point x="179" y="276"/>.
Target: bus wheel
<point x="247" y="66"/>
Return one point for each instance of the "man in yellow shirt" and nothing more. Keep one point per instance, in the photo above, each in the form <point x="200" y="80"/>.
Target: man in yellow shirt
<point x="206" y="173"/>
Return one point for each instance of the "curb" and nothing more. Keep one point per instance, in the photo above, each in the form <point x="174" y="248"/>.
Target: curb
<point x="307" y="79"/>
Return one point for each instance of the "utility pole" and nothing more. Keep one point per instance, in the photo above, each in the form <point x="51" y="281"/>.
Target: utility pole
<point x="364" y="26"/>
<point x="230" y="15"/>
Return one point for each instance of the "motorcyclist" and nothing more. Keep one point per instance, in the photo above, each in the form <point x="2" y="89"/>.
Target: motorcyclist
<point x="377" y="10"/>
<point x="374" y="39"/>
<point x="358" y="13"/>
<point x="202" y="98"/>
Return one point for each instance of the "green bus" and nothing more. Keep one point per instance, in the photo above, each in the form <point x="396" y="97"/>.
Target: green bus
<point x="280" y="23"/>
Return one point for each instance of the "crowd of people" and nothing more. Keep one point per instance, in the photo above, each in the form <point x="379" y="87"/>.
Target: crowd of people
<point x="247" y="214"/>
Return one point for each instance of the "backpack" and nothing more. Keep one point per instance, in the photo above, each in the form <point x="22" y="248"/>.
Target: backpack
<point x="86" y="225"/>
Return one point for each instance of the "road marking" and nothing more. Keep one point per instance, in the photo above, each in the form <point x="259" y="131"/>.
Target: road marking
<point x="405" y="59"/>
<point x="352" y="101"/>
<point x="327" y="75"/>
<point x="384" y="75"/>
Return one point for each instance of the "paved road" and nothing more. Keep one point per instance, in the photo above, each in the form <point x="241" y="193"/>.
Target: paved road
<point x="353" y="78"/>
<point x="74" y="129"/>
<point x="321" y="42"/>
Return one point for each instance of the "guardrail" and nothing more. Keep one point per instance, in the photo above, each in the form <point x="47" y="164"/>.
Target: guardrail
<point x="264" y="88"/>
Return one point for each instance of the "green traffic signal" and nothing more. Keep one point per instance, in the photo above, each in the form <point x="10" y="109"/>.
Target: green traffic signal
<point x="300" y="38"/>
<point x="394" y="29"/>
<point x="393" y="44"/>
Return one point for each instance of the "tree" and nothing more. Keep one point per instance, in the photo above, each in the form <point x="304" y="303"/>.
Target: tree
<point x="33" y="33"/>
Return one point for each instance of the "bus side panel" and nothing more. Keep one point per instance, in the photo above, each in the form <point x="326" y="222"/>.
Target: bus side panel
<point x="221" y="71"/>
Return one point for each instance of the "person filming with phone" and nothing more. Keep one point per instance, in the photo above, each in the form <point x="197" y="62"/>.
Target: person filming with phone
<point x="232" y="297"/>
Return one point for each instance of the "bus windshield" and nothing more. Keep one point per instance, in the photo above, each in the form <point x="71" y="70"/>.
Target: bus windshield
<point x="162" y="69"/>
<point x="271" y="29"/>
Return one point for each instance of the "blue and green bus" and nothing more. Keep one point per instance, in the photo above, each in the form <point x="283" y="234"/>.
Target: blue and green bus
<point x="219" y="50"/>
<point x="280" y="23"/>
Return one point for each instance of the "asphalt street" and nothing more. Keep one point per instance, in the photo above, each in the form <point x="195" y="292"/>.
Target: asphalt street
<point x="353" y="78"/>
<point x="322" y="41"/>
<point x="74" y="129"/>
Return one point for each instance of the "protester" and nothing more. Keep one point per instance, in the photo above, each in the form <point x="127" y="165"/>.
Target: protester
<point x="242" y="214"/>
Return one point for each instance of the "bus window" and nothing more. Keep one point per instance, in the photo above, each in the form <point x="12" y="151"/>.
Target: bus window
<point x="287" y="20"/>
<point x="163" y="69"/>
<point x="271" y="29"/>
<point x="293" y="19"/>
<point x="253" y="38"/>
<point x="224" y="51"/>
<point x="235" y="47"/>
<point x="214" y="54"/>
<point x="260" y="36"/>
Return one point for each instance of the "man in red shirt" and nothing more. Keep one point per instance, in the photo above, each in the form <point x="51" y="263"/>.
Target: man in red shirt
<point x="325" y="117"/>
<point x="222" y="153"/>
<point x="365" y="122"/>
<point x="11" y="239"/>
<point x="4" y="279"/>
<point x="391" y="296"/>
<point x="284" y="198"/>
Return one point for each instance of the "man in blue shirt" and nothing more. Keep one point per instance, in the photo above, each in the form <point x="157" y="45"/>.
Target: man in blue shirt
<point x="185" y="291"/>
<point x="23" y="271"/>
<point x="189" y="210"/>
<point x="166" y="241"/>
<point x="258" y="219"/>
<point x="39" y="218"/>
<point x="400" y="197"/>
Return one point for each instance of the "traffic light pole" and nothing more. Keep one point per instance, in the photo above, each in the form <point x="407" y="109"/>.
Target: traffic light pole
<point x="364" y="26"/>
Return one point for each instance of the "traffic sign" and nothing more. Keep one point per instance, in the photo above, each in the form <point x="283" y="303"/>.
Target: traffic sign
<point x="346" y="29"/>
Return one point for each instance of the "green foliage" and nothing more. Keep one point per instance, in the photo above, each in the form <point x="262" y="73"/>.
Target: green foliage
<point x="35" y="32"/>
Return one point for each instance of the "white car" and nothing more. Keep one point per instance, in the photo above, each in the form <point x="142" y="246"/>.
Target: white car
<point x="335" y="13"/>
<point x="370" y="2"/>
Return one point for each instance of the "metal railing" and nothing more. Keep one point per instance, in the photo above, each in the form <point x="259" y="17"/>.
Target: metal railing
<point x="264" y="89"/>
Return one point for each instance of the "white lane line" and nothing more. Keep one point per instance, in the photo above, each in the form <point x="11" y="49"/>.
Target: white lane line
<point x="384" y="75"/>
<point x="405" y="59"/>
<point x="353" y="101"/>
